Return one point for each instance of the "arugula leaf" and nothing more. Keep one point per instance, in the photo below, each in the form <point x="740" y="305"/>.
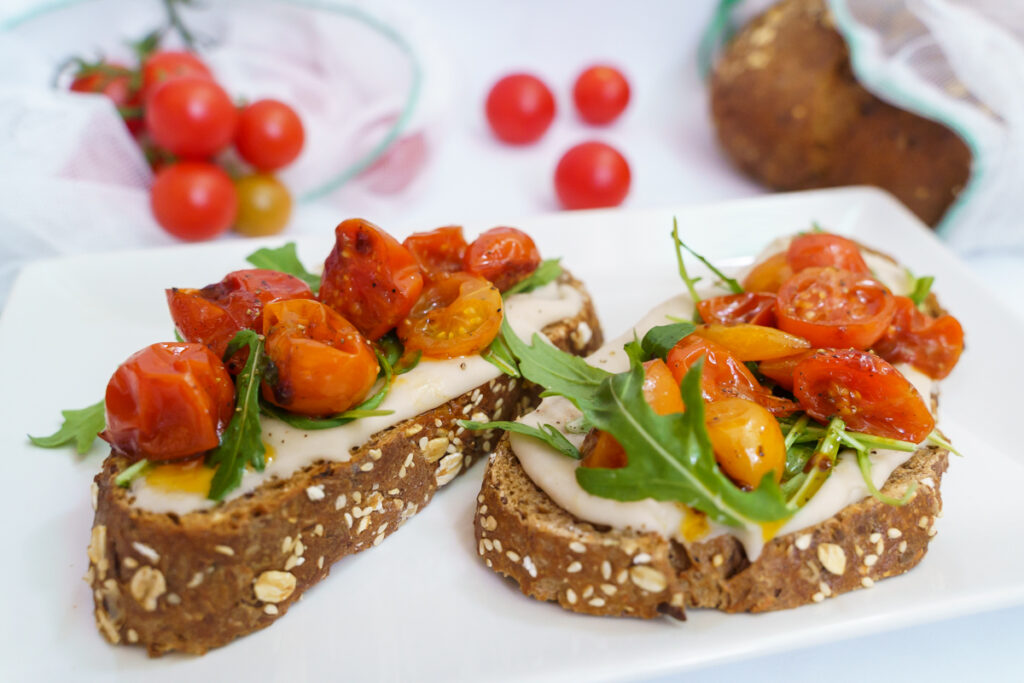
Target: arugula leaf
<point x="864" y="463"/>
<point x="242" y="441"/>
<point x="547" y="433"/>
<point x="500" y="355"/>
<point x="133" y="472"/>
<point x="922" y="286"/>
<point x="936" y="439"/>
<point x="285" y="260"/>
<point x="659" y="340"/>
<point x="821" y="462"/>
<point x="548" y="271"/>
<point x="81" y="426"/>
<point x="729" y="282"/>
<point x="687" y="280"/>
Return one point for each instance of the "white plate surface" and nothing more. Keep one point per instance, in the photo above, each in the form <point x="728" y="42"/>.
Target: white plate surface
<point x="422" y="606"/>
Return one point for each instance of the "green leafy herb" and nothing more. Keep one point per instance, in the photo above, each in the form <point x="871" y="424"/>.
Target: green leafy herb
<point x="820" y="465"/>
<point x="546" y="433"/>
<point x="407" y="363"/>
<point x="81" y="426"/>
<point x="547" y="271"/>
<point x="286" y="260"/>
<point x="659" y="340"/>
<point x="500" y="355"/>
<point x="864" y="463"/>
<point x="177" y="335"/>
<point x="133" y="472"/>
<point x="936" y="439"/>
<point x="313" y="423"/>
<point x="922" y="286"/>
<point x="690" y="282"/>
<point x="729" y="282"/>
<point x="816" y="227"/>
<point x="391" y="348"/>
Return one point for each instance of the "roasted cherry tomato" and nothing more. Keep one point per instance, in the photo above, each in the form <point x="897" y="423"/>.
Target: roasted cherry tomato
<point x="168" y="402"/>
<point x="502" y="255"/>
<point x="191" y="117"/>
<point x="322" y="364"/>
<point x="264" y="205"/>
<point x="868" y="393"/>
<point x="601" y="93"/>
<point x="834" y="308"/>
<point x="457" y="315"/>
<point x="520" y="108"/>
<point x="756" y="308"/>
<point x="371" y="279"/>
<point x="214" y="314"/>
<point x="780" y="370"/>
<point x="747" y="441"/>
<point x="820" y="249"/>
<point x="166" y="65"/>
<point x="270" y="134"/>
<point x="932" y="345"/>
<point x="438" y="251"/>
<point x="753" y="342"/>
<point x="768" y="275"/>
<point x="193" y="200"/>
<point x="724" y="375"/>
<point x="592" y="175"/>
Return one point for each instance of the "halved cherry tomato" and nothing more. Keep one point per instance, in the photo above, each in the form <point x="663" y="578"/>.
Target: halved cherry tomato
<point x="747" y="440"/>
<point x="457" y="315"/>
<point x="437" y="251"/>
<point x="724" y="375"/>
<point x="768" y="275"/>
<point x="868" y="393"/>
<point x="834" y="308"/>
<point x="168" y="402"/>
<point x="820" y="249"/>
<point x="780" y="370"/>
<point x="753" y="342"/>
<point x="214" y="314"/>
<point x="371" y="279"/>
<point x="502" y="255"/>
<point x="756" y="308"/>
<point x="115" y="81"/>
<point x="166" y="65"/>
<point x="323" y="365"/>
<point x="932" y="345"/>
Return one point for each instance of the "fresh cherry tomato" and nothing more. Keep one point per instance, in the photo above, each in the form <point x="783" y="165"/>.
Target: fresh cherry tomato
<point x="780" y="370"/>
<point x="270" y="134"/>
<point x="502" y="255"/>
<point x="214" y="314"/>
<point x="768" y="275"/>
<point x="747" y="441"/>
<point x="834" y="308"/>
<point x="438" y="251"/>
<point x="752" y="342"/>
<point x="723" y="376"/>
<point x="868" y="393"/>
<point x="168" y="402"/>
<point x="264" y="205"/>
<point x="592" y="175"/>
<point x="756" y="308"/>
<point x="193" y="200"/>
<point x="115" y="81"/>
<point x="191" y="117"/>
<point x="820" y="249"/>
<point x="601" y="93"/>
<point x="371" y="279"/>
<point x="520" y="108"/>
<point x="166" y="65"/>
<point x="457" y="315"/>
<point x="932" y="345"/>
<point x="323" y="365"/>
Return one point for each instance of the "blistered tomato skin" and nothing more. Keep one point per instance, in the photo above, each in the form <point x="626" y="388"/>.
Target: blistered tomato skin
<point x="502" y="255"/>
<point x="439" y="251"/>
<point x="821" y="249"/>
<point x="456" y="315"/>
<point x="932" y="345"/>
<point x="756" y="308"/>
<point x="747" y="441"/>
<point x="753" y="342"/>
<point x="169" y="401"/>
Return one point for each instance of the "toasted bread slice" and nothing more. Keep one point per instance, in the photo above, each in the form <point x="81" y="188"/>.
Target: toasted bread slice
<point x="197" y="581"/>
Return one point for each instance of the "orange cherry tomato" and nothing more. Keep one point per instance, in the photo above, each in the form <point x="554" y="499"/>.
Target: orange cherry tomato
<point x="457" y="315"/>
<point x="753" y="342"/>
<point x="768" y="275"/>
<point x="168" y="402"/>
<point x="780" y="370"/>
<point x="834" y="308"/>
<point x="932" y="345"/>
<point x="724" y="375"/>
<point x="437" y="251"/>
<point x="371" y="279"/>
<point x="756" y="308"/>
<point x="502" y="255"/>
<point x="868" y="393"/>
<point x="747" y="440"/>
<point x="820" y="249"/>
<point x="323" y="365"/>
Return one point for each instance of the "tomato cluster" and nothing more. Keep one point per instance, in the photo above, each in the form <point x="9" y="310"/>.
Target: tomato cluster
<point x="184" y="120"/>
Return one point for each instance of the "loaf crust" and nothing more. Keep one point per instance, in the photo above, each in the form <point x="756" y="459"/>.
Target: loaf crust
<point x="197" y="581"/>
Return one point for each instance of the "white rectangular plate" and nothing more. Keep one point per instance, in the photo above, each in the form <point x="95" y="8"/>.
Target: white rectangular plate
<point x="422" y="606"/>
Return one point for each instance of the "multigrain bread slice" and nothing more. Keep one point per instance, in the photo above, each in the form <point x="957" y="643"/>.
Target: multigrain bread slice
<point x="197" y="581"/>
<point x="552" y="555"/>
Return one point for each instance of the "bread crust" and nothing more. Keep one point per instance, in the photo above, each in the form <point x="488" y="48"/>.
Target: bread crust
<point x="197" y="581"/>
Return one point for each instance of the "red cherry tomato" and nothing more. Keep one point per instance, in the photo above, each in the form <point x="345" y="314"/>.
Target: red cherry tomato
<point x="193" y="200"/>
<point x="191" y="117"/>
<point x="756" y="308"/>
<point x="592" y="175"/>
<point x="520" y="107"/>
<point x="166" y="65"/>
<point x="870" y="395"/>
<point x="115" y="81"/>
<point x="820" y="249"/>
<point x="438" y="251"/>
<point x="601" y="94"/>
<point x="168" y="402"/>
<point x="324" y="366"/>
<point x="780" y="370"/>
<point x="932" y="345"/>
<point x="834" y="308"/>
<point x="768" y="275"/>
<point x="502" y="255"/>
<point x="371" y="279"/>
<point x="457" y="315"/>
<point x="270" y="134"/>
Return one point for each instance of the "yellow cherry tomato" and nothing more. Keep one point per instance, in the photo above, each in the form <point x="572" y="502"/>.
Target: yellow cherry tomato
<point x="753" y="342"/>
<point x="747" y="440"/>
<point x="264" y="205"/>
